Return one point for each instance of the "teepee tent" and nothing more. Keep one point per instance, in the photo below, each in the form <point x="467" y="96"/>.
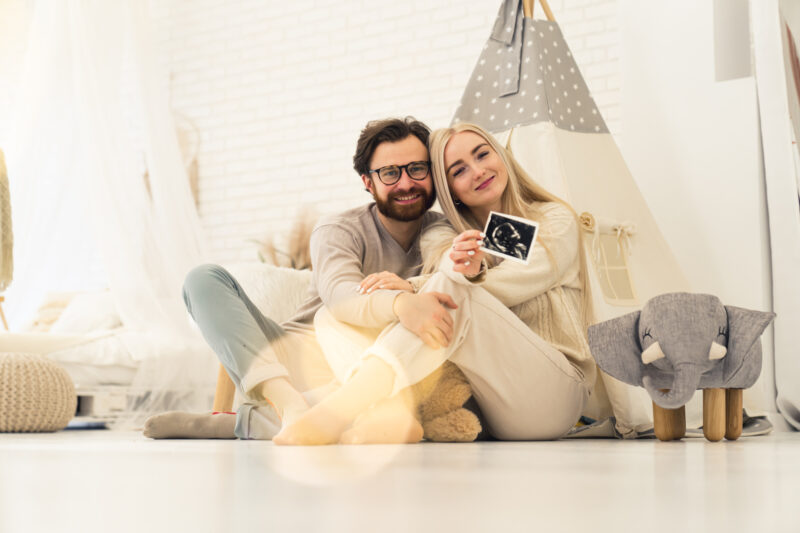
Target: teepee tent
<point x="528" y="91"/>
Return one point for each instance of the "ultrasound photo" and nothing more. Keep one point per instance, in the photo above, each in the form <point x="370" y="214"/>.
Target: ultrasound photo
<point x="509" y="237"/>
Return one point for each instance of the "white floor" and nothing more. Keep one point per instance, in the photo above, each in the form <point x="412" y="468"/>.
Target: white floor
<point x="87" y="481"/>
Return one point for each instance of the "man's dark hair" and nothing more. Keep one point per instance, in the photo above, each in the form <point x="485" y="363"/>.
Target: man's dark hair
<point x="387" y="130"/>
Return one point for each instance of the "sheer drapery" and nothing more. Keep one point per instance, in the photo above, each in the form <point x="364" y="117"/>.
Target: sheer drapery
<point x="96" y="170"/>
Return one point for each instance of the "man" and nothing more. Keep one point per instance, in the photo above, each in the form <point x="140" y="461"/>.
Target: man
<point x="281" y="369"/>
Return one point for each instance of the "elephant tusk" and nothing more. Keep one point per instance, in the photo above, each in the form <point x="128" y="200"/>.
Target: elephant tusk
<point x="652" y="353"/>
<point x="717" y="351"/>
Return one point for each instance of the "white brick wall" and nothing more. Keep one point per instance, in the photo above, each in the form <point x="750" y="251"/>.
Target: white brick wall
<point x="280" y="90"/>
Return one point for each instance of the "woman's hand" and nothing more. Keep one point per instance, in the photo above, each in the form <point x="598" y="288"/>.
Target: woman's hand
<point x="384" y="280"/>
<point x="466" y="253"/>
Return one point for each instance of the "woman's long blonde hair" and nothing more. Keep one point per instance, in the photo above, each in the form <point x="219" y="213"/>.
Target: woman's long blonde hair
<point x="518" y="199"/>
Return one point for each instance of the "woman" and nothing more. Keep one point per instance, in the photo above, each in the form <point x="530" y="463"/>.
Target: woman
<point x="519" y="332"/>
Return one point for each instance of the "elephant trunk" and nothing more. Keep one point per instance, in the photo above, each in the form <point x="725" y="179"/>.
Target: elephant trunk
<point x="687" y="378"/>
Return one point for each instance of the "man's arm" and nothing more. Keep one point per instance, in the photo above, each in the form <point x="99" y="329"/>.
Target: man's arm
<point x="425" y="314"/>
<point x="338" y="270"/>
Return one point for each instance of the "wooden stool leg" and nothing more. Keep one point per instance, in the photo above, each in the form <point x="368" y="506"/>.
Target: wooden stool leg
<point x="223" y="397"/>
<point x="669" y="424"/>
<point x="714" y="414"/>
<point x="733" y="413"/>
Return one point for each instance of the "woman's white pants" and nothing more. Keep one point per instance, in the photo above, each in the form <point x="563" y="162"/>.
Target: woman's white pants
<point x="526" y="389"/>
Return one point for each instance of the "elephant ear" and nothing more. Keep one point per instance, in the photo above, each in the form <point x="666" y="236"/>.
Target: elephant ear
<point x="743" y="361"/>
<point x="615" y="346"/>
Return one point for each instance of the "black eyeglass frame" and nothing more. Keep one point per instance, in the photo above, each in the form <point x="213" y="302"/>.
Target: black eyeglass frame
<point x="400" y="173"/>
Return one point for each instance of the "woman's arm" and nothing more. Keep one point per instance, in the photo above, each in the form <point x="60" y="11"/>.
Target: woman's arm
<point x="514" y="283"/>
<point x="438" y="243"/>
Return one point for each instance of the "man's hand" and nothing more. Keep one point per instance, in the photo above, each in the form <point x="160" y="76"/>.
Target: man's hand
<point x="384" y="280"/>
<point x="425" y="314"/>
<point x="466" y="253"/>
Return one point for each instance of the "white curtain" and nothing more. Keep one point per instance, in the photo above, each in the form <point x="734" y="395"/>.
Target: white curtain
<point x="93" y="120"/>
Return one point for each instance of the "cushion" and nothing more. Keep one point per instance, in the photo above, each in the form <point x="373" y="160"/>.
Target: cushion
<point x="276" y="291"/>
<point x="35" y="394"/>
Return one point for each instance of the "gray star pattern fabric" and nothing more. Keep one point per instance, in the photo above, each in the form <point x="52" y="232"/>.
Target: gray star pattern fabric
<point x="507" y="34"/>
<point x="541" y="82"/>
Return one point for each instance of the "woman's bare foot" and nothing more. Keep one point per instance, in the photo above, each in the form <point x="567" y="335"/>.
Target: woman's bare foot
<point x="325" y="422"/>
<point x="388" y="422"/>
<point x="315" y="426"/>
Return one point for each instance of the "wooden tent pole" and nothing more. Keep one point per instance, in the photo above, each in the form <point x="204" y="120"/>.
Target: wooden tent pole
<point x="548" y="13"/>
<point x="527" y="8"/>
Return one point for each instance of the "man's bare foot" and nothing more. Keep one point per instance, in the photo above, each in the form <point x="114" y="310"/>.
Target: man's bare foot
<point x="313" y="427"/>
<point x="388" y="422"/>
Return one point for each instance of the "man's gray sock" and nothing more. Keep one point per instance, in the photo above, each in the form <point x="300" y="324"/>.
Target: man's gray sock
<point x="180" y="425"/>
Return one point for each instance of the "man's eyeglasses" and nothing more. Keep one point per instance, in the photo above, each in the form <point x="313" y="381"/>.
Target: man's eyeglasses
<point x="390" y="174"/>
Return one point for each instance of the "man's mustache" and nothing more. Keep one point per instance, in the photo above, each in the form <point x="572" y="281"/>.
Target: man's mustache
<point x="413" y="190"/>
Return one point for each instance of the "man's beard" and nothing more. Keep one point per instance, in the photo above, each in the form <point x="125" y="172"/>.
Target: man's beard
<point x="405" y="213"/>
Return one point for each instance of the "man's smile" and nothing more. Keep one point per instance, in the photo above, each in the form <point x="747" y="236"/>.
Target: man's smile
<point x="407" y="198"/>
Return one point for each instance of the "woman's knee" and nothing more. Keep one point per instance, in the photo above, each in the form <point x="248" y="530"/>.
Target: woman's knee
<point x="440" y="282"/>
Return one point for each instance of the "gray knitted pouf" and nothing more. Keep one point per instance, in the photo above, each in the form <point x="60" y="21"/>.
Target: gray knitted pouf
<point x="36" y="395"/>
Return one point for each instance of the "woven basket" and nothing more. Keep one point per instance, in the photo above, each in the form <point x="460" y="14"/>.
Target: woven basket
<point x="35" y="394"/>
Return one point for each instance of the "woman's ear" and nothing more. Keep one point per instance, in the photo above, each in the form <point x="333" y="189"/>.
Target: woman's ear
<point x="743" y="362"/>
<point x="615" y="346"/>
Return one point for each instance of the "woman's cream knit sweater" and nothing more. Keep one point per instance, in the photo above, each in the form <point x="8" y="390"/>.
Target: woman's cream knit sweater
<point x="545" y="294"/>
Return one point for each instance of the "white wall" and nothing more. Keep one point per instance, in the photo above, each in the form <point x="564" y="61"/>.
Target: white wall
<point x="280" y="91"/>
<point x="693" y="146"/>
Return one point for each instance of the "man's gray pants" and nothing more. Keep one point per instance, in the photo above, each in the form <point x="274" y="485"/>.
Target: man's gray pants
<point x="251" y="347"/>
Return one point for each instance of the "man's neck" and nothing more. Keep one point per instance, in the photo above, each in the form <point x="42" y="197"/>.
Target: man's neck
<point x="402" y="232"/>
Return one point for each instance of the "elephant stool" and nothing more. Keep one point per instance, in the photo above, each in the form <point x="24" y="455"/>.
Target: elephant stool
<point x="678" y="343"/>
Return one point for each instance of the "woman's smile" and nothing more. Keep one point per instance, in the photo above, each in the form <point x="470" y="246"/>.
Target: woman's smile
<point x="484" y="184"/>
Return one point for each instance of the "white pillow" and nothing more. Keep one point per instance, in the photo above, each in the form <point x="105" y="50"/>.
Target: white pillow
<point x="88" y="313"/>
<point x="276" y="291"/>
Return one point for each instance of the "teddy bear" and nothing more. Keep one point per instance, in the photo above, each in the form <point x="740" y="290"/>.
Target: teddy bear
<point x="438" y="401"/>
